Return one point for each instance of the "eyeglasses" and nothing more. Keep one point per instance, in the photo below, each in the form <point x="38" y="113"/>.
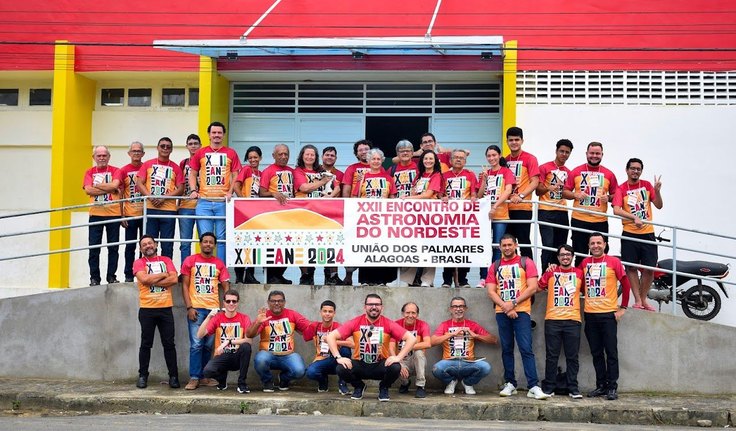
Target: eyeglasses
<point x="373" y="304"/>
<point x="231" y="301"/>
<point x="166" y="147"/>
<point x="457" y="307"/>
<point x="276" y="301"/>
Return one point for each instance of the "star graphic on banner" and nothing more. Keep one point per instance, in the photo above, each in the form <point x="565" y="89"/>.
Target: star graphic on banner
<point x="320" y="238"/>
<point x="288" y="238"/>
<point x="246" y="237"/>
<point x="277" y="238"/>
<point x="340" y="237"/>
<point x="268" y="238"/>
<point x="309" y="237"/>
<point x="298" y="238"/>
<point x="258" y="238"/>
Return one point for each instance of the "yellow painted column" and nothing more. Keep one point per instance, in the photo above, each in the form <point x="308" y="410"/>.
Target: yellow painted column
<point x="509" y="90"/>
<point x="71" y="152"/>
<point x="214" y="97"/>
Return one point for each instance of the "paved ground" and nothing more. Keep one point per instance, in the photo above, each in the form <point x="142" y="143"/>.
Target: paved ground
<point x="67" y="398"/>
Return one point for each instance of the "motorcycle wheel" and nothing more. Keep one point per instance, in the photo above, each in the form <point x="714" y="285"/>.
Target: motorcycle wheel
<point x="701" y="305"/>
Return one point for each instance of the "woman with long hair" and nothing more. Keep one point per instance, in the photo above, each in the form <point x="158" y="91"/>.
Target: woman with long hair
<point x="496" y="183"/>
<point x="246" y="186"/>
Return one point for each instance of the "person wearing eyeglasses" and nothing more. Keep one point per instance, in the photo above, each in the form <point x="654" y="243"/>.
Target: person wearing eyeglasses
<point x="201" y="276"/>
<point x="133" y="207"/>
<point x="371" y="359"/>
<point x="458" y="336"/>
<point x="276" y="326"/>
<point x="157" y="178"/>
<point x="563" y="283"/>
<point x="233" y="346"/>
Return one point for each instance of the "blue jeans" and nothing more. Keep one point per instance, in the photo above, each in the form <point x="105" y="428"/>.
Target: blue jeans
<point x="521" y="328"/>
<point x="132" y="232"/>
<point x="498" y="229"/>
<point x="470" y="373"/>
<point x="319" y="370"/>
<point x="291" y="366"/>
<point x="216" y="226"/>
<point x="162" y="228"/>
<point x="186" y="231"/>
<point x="200" y="349"/>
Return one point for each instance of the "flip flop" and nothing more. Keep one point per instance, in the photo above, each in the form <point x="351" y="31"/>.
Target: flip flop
<point x="649" y="308"/>
<point x="638" y="307"/>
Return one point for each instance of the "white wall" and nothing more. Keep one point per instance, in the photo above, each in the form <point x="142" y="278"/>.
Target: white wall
<point x="690" y="146"/>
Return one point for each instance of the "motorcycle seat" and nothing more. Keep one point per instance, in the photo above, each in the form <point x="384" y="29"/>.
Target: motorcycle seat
<point x="697" y="267"/>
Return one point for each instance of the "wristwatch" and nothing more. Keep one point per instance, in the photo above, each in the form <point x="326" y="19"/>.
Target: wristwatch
<point x="513" y="302"/>
<point x="522" y="195"/>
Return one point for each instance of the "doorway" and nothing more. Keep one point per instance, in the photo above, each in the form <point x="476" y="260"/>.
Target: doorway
<point x="386" y="132"/>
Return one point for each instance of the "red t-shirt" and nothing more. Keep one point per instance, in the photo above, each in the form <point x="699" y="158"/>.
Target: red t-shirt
<point x="371" y="339"/>
<point x="308" y="176"/>
<point x="524" y="167"/>
<point x="94" y="176"/>
<point x="314" y="333"/>
<point x="161" y="178"/>
<point x="375" y="186"/>
<point x="205" y="274"/>
<point x="564" y="287"/>
<point x="636" y="199"/>
<point x="232" y="328"/>
<point x="459" y="347"/>
<point x="127" y="175"/>
<point x="280" y="179"/>
<point x="277" y="333"/>
<point x="250" y="180"/>
<point x="554" y="177"/>
<point x="351" y="175"/>
<point x="594" y="182"/>
<point x="420" y="329"/>
<point x="462" y="185"/>
<point x="428" y="181"/>
<point x="510" y="280"/>
<point x="404" y="177"/>
<point x="215" y="169"/>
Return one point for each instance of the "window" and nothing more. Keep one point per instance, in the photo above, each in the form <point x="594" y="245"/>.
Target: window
<point x="194" y="97"/>
<point x="40" y="97"/>
<point x="112" y="96"/>
<point x="8" y="97"/>
<point x="172" y="97"/>
<point x="139" y="97"/>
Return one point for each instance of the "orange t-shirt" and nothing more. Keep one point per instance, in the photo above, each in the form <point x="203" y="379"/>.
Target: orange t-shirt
<point x="187" y="203"/>
<point x="510" y="280"/>
<point x="594" y="182"/>
<point x="205" y="274"/>
<point x="280" y="179"/>
<point x="251" y="181"/>
<point x="371" y="339"/>
<point x="94" y="176"/>
<point x="496" y="182"/>
<point x="636" y="200"/>
<point x="127" y="175"/>
<point x="161" y="178"/>
<point x="564" y="287"/>
<point x="524" y="167"/>
<point x="459" y="347"/>
<point x="554" y="177"/>
<point x="601" y="276"/>
<point x="215" y="169"/>
<point x="154" y="296"/>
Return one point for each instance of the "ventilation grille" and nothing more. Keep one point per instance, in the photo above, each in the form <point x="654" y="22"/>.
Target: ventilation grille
<point x="367" y="98"/>
<point x="626" y="88"/>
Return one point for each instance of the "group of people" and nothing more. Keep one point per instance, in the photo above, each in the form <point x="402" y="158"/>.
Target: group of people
<point x="371" y="346"/>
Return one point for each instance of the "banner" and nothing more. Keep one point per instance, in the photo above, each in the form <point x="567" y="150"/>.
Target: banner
<point x="358" y="232"/>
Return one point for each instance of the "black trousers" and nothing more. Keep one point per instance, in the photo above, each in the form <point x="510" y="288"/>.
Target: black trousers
<point x="601" y="330"/>
<point x="218" y="366"/>
<point x="553" y="236"/>
<point x="112" y="229"/>
<point x="521" y="230"/>
<point x="377" y="371"/>
<point x="133" y="232"/>
<point x="580" y="239"/>
<point x="163" y="319"/>
<point x="448" y="276"/>
<point x="560" y="334"/>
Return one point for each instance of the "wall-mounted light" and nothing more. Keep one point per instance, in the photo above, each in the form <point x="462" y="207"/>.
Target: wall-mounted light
<point x="232" y="55"/>
<point x="357" y="55"/>
<point x="486" y="56"/>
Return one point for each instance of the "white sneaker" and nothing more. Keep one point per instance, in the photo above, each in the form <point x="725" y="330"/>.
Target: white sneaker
<point x="450" y="388"/>
<point x="508" y="390"/>
<point x="537" y="394"/>
<point x="425" y="284"/>
<point x="397" y="283"/>
<point x="468" y="389"/>
<point x="481" y="284"/>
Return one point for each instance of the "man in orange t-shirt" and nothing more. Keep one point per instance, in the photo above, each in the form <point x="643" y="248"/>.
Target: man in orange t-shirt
<point x="552" y="178"/>
<point x="126" y="175"/>
<point x="563" y="283"/>
<point x="156" y="277"/>
<point x="526" y="171"/>
<point x="103" y="189"/>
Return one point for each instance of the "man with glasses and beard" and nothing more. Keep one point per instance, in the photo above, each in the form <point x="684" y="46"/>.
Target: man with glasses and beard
<point x="371" y="359"/>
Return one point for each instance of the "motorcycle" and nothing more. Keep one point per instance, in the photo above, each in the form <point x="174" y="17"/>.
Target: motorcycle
<point x="701" y="301"/>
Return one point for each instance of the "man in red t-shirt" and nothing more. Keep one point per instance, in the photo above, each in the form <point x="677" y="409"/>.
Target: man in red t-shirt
<point x="233" y="347"/>
<point x="602" y="274"/>
<point x="133" y="207"/>
<point x="526" y="170"/>
<point x="633" y="201"/>
<point x="371" y="358"/>
<point x="459" y="362"/>
<point x="156" y="277"/>
<point x="324" y="363"/>
<point x="416" y="361"/>
<point x="276" y="326"/>
<point x="187" y="207"/>
<point x="103" y="190"/>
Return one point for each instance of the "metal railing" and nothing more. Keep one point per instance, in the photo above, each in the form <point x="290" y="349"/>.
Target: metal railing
<point x="535" y="243"/>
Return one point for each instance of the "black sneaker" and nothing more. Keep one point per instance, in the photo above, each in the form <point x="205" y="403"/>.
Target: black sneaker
<point x="283" y="385"/>
<point x="250" y="279"/>
<point x="129" y="279"/>
<point x="243" y="389"/>
<point x="221" y="386"/>
<point x="598" y="392"/>
<point x="383" y="394"/>
<point x="322" y="386"/>
<point x="94" y="282"/>
<point x="174" y="382"/>
<point x="333" y="280"/>
<point x="358" y="392"/>
<point x="342" y="387"/>
<point x="112" y="280"/>
<point x="421" y="393"/>
<point x="142" y="382"/>
<point x="404" y="388"/>
<point x="576" y="395"/>
<point x="612" y="394"/>
<point x="268" y="386"/>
